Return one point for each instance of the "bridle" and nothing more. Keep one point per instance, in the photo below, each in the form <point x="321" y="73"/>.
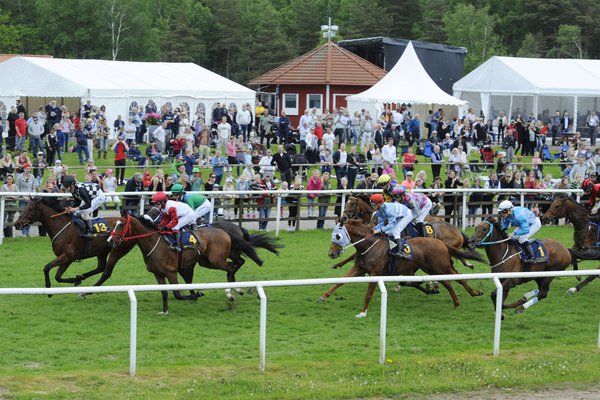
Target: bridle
<point x="482" y="242"/>
<point x="127" y="233"/>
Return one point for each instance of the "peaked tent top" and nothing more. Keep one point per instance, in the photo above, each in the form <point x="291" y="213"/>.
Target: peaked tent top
<point x="407" y="82"/>
<point x="102" y="78"/>
<point x="544" y="76"/>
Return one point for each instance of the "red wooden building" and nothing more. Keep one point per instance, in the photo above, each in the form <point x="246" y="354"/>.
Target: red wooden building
<point x="321" y="78"/>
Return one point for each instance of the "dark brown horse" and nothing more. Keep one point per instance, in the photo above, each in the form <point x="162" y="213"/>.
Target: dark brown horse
<point x="586" y="235"/>
<point x="360" y="207"/>
<point x="503" y="256"/>
<point x="212" y="249"/>
<point x="67" y="243"/>
<point x="428" y="254"/>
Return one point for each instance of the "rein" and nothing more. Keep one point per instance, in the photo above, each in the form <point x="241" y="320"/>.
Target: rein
<point x="60" y="213"/>
<point x="360" y="241"/>
<point x="127" y="229"/>
<point x="482" y="241"/>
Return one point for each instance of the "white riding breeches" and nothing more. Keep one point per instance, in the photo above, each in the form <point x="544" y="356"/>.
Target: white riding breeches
<point x="533" y="228"/>
<point x="96" y="202"/>
<point x="203" y="209"/>
<point x="419" y="215"/>
<point x="185" y="220"/>
<point x="400" y="225"/>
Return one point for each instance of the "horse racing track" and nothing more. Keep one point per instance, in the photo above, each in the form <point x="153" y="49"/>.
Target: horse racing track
<point x="68" y="347"/>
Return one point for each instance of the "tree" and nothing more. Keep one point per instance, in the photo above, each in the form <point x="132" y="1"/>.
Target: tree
<point x="474" y="29"/>
<point x="431" y="26"/>
<point x="531" y="46"/>
<point x="568" y="41"/>
<point x="116" y="17"/>
<point x="357" y="19"/>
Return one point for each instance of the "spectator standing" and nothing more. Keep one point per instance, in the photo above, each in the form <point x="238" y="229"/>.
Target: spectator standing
<point x="67" y="128"/>
<point x="102" y="133"/>
<point x="293" y="201"/>
<point x="284" y="163"/>
<point x="203" y="146"/>
<point x="452" y="182"/>
<point x="35" y="129"/>
<point x="437" y="160"/>
<point x="196" y="180"/>
<point x="224" y="133"/>
<point x="52" y="145"/>
<point x="408" y="161"/>
<point x="244" y="118"/>
<point x="109" y="185"/>
<point x="265" y="201"/>
<point x="21" y="134"/>
<point x="26" y="183"/>
<point x="314" y="183"/>
<point x="218" y="163"/>
<point x="342" y="185"/>
<point x="39" y="166"/>
<point x="283" y="128"/>
<point x="120" y="149"/>
<point x="160" y="135"/>
<point x="340" y="162"/>
<point x="10" y="204"/>
<point x="388" y="152"/>
<point x="132" y="203"/>
<point x="324" y="200"/>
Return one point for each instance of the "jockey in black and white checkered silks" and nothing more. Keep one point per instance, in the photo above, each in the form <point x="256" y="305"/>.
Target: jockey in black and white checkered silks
<point x="90" y="197"/>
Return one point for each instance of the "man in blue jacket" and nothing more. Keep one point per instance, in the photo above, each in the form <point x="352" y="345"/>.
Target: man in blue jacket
<point x="526" y="222"/>
<point x="392" y="218"/>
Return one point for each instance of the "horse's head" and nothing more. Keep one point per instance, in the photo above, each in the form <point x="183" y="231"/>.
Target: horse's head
<point x="153" y="216"/>
<point x="339" y="239"/>
<point x="486" y="231"/>
<point x="359" y="207"/>
<point x="121" y="230"/>
<point x="558" y="209"/>
<point x="30" y="214"/>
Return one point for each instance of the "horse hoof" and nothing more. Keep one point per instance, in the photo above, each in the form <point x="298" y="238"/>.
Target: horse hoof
<point x="163" y="313"/>
<point x="361" y="315"/>
<point x="335" y="266"/>
<point x="480" y="293"/>
<point x="50" y="296"/>
<point x="321" y="300"/>
<point x="502" y="318"/>
<point x="469" y="265"/>
<point x="239" y="291"/>
<point x="199" y="294"/>
<point x="519" y="310"/>
<point x="82" y="296"/>
<point x="77" y="283"/>
<point x="572" y="290"/>
<point x="231" y="299"/>
<point x="396" y="288"/>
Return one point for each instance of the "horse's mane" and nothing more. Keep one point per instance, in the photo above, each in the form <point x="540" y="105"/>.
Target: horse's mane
<point x="144" y="222"/>
<point x="53" y="203"/>
<point x="580" y="206"/>
<point x="497" y="226"/>
<point x="364" y="197"/>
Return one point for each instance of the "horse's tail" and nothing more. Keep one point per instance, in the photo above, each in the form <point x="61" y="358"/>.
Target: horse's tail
<point x="264" y="241"/>
<point x="465" y="244"/>
<point x="466" y="254"/>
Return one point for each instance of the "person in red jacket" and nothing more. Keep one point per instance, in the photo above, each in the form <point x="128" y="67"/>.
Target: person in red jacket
<point x="21" y="126"/>
<point x="593" y="189"/>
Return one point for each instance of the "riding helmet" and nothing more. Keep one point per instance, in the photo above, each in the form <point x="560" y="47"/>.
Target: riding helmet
<point x="177" y="188"/>
<point x="159" y="197"/>
<point x="377" y="198"/>
<point x="399" y="190"/>
<point x="505" y="205"/>
<point x="383" y="179"/>
<point x="587" y="184"/>
<point x="68" y="181"/>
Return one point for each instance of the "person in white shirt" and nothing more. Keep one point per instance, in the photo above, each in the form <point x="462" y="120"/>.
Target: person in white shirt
<point x="265" y="164"/>
<point x="592" y="123"/>
<point x="306" y="119"/>
<point x="243" y="119"/>
<point x="130" y="130"/>
<point x="160" y="135"/>
<point x="224" y="132"/>
<point x="303" y="130"/>
<point x="388" y="152"/>
<point x="329" y="139"/>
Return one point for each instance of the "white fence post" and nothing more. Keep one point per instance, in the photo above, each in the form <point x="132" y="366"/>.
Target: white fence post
<point x="263" y="326"/>
<point x="382" y="321"/>
<point x="2" y="217"/>
<point x="211" y="214"/>
<point x="142" y="204"/>
<point x="464" y="211"/>
<point x="278" y="216"/>
<point x="498" y="322"/>
<point x="132" y="333"/>
<point x="343" y="205"/>
<point x="522" y="199"/>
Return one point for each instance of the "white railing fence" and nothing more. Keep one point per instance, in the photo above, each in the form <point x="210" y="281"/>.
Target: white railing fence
<point x="261" y="285"/>
<point x="280" y="194"/>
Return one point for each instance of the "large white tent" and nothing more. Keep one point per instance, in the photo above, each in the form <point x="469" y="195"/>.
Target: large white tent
<point x="118" y="84"/>
<point x="532" y="85"/>
<point x="407" y="82"/>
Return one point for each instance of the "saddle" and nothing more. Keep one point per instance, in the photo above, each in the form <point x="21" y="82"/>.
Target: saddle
<point x="538" y="252"/>
<point x="412" y="231"/>
<point x="407" y="253"/>
<point x="99" y="226"/>
<point x="186" y="239"/>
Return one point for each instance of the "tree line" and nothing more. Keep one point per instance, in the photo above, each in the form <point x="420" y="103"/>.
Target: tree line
<point x="241" y="39"/>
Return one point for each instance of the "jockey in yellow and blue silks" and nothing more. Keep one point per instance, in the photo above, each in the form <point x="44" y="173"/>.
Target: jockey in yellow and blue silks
<point x="397" y="215"/>
<point x="387" y="184"/>
<point x="419" y="204"/>
<point x="526" y="223"/>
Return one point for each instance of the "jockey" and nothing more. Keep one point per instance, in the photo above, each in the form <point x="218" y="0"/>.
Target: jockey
<point x="593" y="189"/>
<point x="418" y="203"/>
<point x="386" y="183"/>
<point x="397" y="216"/>
<point x="200" y="204"/>
<point x="526" y="223"/>
<point x="176" y="215"/>
<point x="90" y="197"/>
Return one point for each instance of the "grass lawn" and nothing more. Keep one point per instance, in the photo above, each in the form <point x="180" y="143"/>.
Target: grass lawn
<point x="67" y="347"/>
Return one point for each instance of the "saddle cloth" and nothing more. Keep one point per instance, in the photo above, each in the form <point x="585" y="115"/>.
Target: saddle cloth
<point x="411" y="230"/>
<point x="406" y="250"/>
<point x="188" y="241"/>
<point x="538" y="251"/>
<point x="100" y="226"/>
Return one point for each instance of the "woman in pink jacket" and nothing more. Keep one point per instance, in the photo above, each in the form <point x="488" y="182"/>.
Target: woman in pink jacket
<point x="314" y="183"/>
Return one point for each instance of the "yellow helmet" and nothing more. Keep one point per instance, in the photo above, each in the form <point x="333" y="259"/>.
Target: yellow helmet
<point x="383" y="179"/>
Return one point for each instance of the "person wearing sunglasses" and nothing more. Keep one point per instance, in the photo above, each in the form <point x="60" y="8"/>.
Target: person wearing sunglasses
<point x="526" y="223"/>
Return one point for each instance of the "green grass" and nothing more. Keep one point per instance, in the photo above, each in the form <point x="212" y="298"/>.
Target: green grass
<point x="67" y="347"/>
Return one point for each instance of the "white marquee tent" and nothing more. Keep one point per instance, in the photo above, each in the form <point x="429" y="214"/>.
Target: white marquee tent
<point x="532" y="85"/>
<point x="117" y="84"/>
<point x="407" y="82"/>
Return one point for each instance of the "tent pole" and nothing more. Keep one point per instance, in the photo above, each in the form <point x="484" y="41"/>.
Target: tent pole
<point x="575" y="112"/>
<point x="510" y="117"/>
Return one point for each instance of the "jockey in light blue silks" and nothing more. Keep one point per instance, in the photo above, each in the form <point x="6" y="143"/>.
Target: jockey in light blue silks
<point x="526" y="223"/>
<point x="397" y="215"/>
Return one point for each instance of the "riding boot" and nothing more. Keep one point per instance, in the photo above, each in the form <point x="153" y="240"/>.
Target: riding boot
<point x="89" y="232"/>
<point x="421" y="229"/>
<point x="528" y="253"/>
<point x="175" y="245"/>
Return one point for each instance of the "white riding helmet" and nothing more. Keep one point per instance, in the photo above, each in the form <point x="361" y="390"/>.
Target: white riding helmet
<point x="505" y="205"/>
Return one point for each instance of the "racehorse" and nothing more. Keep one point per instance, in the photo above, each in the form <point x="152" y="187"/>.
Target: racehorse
<point x="586" y="233"/>
<point x="360" y="207"/>
<point x="428" y="254"/>
<point x="503" y="256"/>
<point x="211" y="251"/>
<point x="67" y="242"/>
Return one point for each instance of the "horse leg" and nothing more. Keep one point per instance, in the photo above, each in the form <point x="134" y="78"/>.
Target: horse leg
<point x="507" y="284"/>
<point x="417" y="285"/>
<point x="57" y="261"/>
<point x="172" y="278"/>
<point x="236" y="263"/>
<point x="354" y="271"/>
<point x="535" y="296"/>
<point x="165" y="295"/>
<point x="368" y="297"/>
<point x="99" y="268"/>
<point x="448" y="287"/>
<point x="188" y="276"/>
<point x="344" y="262"/>
<point x="585" y="282"/>
<point x="470" y="290"/>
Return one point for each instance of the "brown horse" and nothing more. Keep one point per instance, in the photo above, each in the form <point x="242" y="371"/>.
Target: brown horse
<point x="428" y="254"/>
<point x="503" y="256"/>
<point x="67" y="243"/>
<point x="586" y="233"/>
<point x="360" y="207"/>
<point x="212" y="249"/>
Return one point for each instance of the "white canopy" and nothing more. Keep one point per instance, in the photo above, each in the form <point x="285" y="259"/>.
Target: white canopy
<point x="530" y="85"/>
<point x="118" y="83"/>
<point x="407" y="82"/>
